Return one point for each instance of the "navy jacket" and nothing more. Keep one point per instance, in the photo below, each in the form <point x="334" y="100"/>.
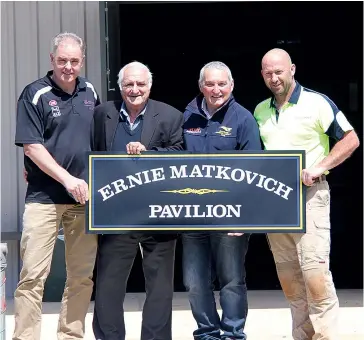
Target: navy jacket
<point x="231" y="128"/>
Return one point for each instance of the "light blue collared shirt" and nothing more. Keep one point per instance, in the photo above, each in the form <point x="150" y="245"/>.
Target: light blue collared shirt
<point x="138" y="119"/>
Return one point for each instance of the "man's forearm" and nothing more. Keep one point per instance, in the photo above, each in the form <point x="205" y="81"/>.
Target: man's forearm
<point x="42" y="158"/>
<point x="341" y="151"/>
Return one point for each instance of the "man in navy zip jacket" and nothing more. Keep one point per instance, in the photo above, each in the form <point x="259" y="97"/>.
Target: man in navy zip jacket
<point x="214" y="121"/>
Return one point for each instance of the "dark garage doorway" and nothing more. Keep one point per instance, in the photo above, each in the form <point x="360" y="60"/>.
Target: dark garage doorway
<point x="325" y="41"/>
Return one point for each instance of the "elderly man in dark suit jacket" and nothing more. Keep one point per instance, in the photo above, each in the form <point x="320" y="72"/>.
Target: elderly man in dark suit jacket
<point x="135" y="124"/>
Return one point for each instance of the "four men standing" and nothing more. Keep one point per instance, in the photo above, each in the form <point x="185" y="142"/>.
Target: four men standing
<point x="64" y="107"/>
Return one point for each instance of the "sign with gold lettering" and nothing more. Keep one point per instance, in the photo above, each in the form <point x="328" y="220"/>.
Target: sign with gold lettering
<point x="241" y="191"/>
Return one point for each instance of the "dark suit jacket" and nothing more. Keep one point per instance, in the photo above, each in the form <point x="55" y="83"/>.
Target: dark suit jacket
<point x="162" y="126"/>
<point x="162" y="131"/>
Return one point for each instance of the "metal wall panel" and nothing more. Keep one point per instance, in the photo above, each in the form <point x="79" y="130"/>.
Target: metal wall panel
<point x="93" y="35"/>
<point x="26" y="32"/>
<point x="9" y="177"/>
<point x="26" y="71"/>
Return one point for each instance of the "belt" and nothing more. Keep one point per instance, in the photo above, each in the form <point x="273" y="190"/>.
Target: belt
<point x="320" y="179"/>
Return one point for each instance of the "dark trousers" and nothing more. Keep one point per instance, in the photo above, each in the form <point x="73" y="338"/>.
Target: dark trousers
<point x="116" y="256"/>
<point x="210" y="255"/>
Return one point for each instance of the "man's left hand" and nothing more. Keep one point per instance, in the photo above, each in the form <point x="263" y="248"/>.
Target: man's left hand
<point x="135" y="148"/>
<point x="308" y="176"/>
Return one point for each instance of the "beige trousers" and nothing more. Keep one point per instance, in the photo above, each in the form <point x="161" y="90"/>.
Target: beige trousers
<point x="302" y="262"/>
<point x="40" y="229"/>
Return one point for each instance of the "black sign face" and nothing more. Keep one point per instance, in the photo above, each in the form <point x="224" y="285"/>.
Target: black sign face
<point x="255" y="192"/>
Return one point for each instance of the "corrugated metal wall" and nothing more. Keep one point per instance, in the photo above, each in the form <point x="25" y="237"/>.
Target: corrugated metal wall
<point x="26" y="32"/>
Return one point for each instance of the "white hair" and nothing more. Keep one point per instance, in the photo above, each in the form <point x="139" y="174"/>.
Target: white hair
<point x="133" y="64"/>
<point x="214" y="65"/>
<point x="56" y="41"/>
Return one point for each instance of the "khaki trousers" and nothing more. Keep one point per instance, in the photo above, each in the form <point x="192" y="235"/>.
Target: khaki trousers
<point x="302" y="263"/>
<point x="40" y="229"/>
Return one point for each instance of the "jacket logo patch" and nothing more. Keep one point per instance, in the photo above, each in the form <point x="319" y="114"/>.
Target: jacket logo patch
<point x="194" y="130"/>
<point x="224" y="131"/>
<point x="52" y="103"/>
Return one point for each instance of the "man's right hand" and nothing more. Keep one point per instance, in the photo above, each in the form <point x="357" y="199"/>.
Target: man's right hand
<point x="78" y="188"/>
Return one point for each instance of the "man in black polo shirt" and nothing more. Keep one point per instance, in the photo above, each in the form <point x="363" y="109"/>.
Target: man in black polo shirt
<point x="54" y="116"/>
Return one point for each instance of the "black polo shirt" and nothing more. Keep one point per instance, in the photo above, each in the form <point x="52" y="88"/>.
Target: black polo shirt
<point x="61" y="122"/>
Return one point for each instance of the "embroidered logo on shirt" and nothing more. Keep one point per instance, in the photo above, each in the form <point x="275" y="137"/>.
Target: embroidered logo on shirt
<point x="55" y="108"/>
<point x="194" y="130"/>
<point x="90" y="104"/>
<point x="55" y="111"/>
<point x="224" y="131"/>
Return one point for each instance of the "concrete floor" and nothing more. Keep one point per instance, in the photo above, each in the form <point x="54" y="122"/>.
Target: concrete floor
<point x="268" y="319"/>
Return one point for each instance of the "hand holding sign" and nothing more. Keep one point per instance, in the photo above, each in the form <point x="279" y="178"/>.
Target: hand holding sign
<point x="78" y="188"/>
<point x="308" y="176"/>
<point x="135" y="148"/>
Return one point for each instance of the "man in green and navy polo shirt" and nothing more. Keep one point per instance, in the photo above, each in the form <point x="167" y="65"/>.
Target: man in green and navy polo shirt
<point x="296" y="118"/>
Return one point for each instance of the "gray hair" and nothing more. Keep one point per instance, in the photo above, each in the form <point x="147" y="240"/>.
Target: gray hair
<point x="56" y="41"/>
<point x="214" y="65"/>
<point x="138" y="64"/>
